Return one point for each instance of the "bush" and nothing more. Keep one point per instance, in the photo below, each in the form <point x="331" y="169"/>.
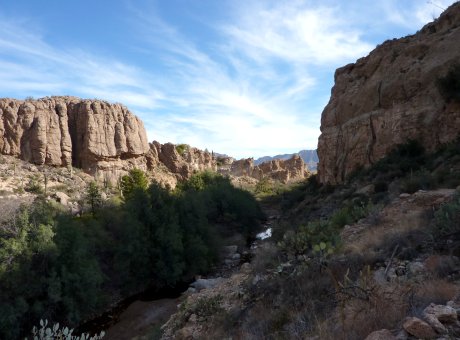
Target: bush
<point x="93" y="197"/>
<point x="403" y="159"/>
<point x="447" y="219"/>
<point x="449" y="85"/>
<point x="420" y="180"/>
<point x="208" y="306"/>
<point x="135" y="180"/>
<point x="182" y="149"/>
<point x="54" y="332"/>
<point x="308" y="236"/>
<point x="34" y="186"/>
<point x="264" y="186"/>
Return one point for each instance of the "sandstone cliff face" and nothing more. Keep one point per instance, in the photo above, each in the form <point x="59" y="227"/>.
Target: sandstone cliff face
<point x="64" y="131"/>
<point x="389" y="97"/>
<point x="103" y="139"/>
<point x="277" y="169"/>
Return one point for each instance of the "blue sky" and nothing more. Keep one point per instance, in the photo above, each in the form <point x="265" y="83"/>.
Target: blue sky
<point x="241" y="77"/>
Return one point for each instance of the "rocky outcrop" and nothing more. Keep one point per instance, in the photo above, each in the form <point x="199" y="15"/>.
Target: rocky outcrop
<point x="64" y="131"/>
<point x="103" y="139"/>
<point x="390" y="97"/>
<point x="184" y="165"/>
<point x="277" y="169"/>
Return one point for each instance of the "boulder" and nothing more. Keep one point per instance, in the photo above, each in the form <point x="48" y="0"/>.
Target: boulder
<point x="383" y="334"/>
<point x="62" y="198"/>
<point x="436" y="315"/>
<point x="201" y="284"/>
<point x="415" y="268"/>
<point x="419" y="328"/>
<point x="245" y="268"/>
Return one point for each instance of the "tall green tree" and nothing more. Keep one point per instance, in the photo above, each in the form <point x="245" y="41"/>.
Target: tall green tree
<point x="136" y="179"/>
<point x="93" y="197"/>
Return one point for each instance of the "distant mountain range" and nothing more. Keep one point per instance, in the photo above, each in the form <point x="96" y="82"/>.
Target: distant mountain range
<point x="310" y="157"/>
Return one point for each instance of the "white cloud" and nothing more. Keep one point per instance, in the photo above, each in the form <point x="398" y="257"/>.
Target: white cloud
<point x="414" y="14"/>
<point x="31" y="66"/>
<point x="246" y="94"/>
<point x="256" y="88"/>
<point x="295" y="32"/>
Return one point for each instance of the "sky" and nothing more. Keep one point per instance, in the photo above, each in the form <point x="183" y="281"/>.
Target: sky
<point x="247" y="78"/>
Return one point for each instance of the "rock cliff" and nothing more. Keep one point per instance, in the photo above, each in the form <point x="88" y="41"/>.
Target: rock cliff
<point x="390" y="97"/>
<point x="64" y="131"/>
<point x="291" y="169"/>
<point x="103" y="139"/>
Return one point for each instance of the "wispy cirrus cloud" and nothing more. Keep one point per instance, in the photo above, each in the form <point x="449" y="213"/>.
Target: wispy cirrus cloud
<point x="250" y="80"/>
<point x="31" y="66"/>
<point x="247" y="93"/>
<point x="295" y="32"/>
<point x="414" y="14"/>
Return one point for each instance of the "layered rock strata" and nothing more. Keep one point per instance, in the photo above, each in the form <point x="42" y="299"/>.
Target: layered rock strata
<point x="390" y="97"/>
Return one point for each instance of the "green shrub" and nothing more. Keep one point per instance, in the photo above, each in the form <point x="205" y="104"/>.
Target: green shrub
<point x="93" y="197"/>
<point x="34" y="186"/>
<point x="403" y="159"/>
<point x="307" y="236"/>
<point x="182" y="149"/>
<point x="264" y="186"/>
<point x="206" y="307"/>
<point x="135" y="180"/>
<point x="420" y="180"/>
<point x="447" y="219"/>
<point x="449" y="85"/>
<point x="380" y="186"/>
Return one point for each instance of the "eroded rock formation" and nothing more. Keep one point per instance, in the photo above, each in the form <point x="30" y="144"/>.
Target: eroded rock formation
<point x="103" y="139"/>
<point x="390" y="97"/>
<point x="64" y="131"/>
<point x="277" y="169"/>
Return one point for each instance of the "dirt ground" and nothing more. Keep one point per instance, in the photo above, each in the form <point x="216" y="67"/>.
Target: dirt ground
<point x="140" y="318"/>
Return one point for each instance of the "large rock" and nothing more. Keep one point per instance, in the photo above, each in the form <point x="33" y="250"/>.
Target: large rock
<point x="390" y="97"/>
<point x="201" y="284"/>
<point x="383" y="334"/>
<point x="419" y="328"/>
<point x="436" y="315"/>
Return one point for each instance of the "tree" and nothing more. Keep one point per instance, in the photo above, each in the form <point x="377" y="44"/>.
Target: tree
<point x="93" y="197"/>
<point x="135" y="180"/>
